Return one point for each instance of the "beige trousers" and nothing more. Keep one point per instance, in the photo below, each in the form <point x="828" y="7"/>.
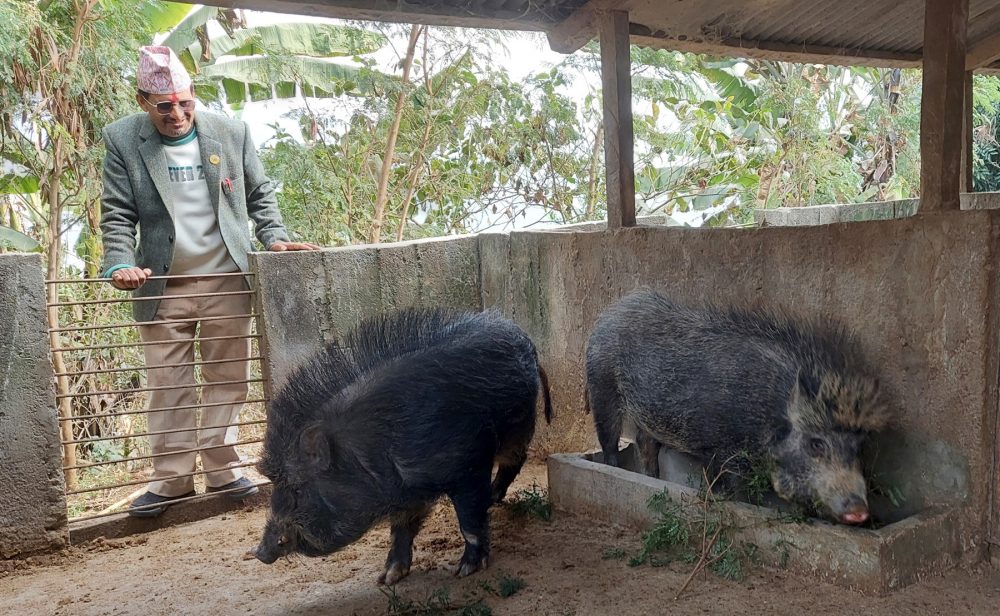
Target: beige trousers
<point x="222" y="403"/>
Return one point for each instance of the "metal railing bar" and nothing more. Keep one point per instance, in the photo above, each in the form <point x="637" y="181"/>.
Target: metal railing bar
<point x="156" y="388"/>
<point x="101" y="347"/>
<point x="121" y="437"/>
<point x="121" y="300"/>
<point x="173" y="277"/>
<point x="158" y="410"/>
<point x="163" y="322"/>
<point x="176" y="500"/>
<point x="248" y="463"/>
<point x="160" y="455"/>
<point x="160" y="366"/>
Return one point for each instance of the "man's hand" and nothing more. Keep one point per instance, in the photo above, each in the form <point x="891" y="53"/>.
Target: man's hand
<point x="283" y="246"/>
<point x="130" y="277"/>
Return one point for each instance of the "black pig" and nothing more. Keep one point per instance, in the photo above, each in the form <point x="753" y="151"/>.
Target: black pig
<point x="722" y="385"/>
<point x="408" y="407"/>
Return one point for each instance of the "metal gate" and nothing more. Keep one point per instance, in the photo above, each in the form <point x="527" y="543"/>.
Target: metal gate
<point x="101" y="395"/>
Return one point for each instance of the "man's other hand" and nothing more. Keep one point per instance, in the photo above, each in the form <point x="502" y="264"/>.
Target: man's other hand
<point x="284" y="246"/>
<point x="130" y="277"/>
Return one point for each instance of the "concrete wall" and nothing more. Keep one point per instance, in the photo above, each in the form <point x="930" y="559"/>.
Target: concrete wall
<point x="830" y="214"/>
<point x="32" y="500"/>
<point x="920" y="292"/>
<point x="307" y="298"/>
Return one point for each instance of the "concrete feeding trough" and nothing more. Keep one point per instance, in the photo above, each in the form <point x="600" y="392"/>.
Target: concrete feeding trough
<point x="870" y="561"/>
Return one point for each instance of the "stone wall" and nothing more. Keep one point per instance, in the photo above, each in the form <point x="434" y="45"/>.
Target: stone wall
<point x="32" y="500"/>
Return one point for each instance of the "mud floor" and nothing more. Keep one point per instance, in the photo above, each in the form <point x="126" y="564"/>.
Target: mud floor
<point x="202" y="568"/>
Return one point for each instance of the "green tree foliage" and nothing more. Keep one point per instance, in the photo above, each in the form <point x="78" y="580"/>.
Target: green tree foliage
<point x="719" y="136"/>
<point x="62" y="67"/>
<point x="471" y="143"/>
<point x="62" y="64"/>
<point x="986" y="134"/>
<point x="751" y="134"/>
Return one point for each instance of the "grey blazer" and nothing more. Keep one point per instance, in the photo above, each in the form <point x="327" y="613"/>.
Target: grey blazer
<point x="136" y="190"/>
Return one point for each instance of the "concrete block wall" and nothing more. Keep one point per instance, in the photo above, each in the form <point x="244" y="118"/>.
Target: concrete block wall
<point x="837" y="213"/>
<point x="32" y="495"/>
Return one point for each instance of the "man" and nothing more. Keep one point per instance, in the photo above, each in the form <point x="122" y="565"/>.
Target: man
<point x="189" y="185"/>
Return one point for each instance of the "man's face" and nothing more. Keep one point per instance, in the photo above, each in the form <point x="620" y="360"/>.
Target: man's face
<point x="178" y="121"/>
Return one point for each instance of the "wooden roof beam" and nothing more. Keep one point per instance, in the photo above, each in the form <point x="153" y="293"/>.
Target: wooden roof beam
<point x="381" y="12"/>
<point x="986" y="50"/>
<point x="983" y="53"/>
<point x="581" y="26"/>
<point x="771" y="50"/>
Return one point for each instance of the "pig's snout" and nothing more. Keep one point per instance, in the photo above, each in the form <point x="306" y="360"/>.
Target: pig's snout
<point x="840" y="495"/>
<point x="265" y="555"/>
<point x="854" y="510"/>
<point x="855" y="518"/>
<point x="268" y="550"/>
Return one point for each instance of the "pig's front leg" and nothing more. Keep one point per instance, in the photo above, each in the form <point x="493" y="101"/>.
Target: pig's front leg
<point x="405" y="526"/>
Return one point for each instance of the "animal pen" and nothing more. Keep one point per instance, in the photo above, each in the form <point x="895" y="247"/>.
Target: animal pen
<point x="919" y="288"/>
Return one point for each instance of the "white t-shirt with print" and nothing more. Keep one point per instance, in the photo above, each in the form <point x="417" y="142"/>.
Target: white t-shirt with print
<point x="198" y="244"/>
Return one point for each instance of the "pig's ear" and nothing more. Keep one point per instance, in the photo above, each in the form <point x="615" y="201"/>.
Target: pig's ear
<point x="315" y="445"/>
<point x="798" y="396"/>
<point x="800" y="411"/>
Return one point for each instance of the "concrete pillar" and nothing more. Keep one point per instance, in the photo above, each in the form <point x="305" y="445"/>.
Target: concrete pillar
<point x="32" y="496"/>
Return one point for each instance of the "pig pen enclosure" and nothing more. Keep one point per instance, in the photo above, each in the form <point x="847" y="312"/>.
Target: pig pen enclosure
<point x="554" y="284"/>
<point x="916" y="281"/>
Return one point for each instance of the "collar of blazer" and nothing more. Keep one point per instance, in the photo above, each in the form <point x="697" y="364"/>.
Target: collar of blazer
<point x="212" y="156"/>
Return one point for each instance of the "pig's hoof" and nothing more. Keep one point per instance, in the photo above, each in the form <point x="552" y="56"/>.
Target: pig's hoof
<point x="468" y="567"/>
<point x="393" y="574"/>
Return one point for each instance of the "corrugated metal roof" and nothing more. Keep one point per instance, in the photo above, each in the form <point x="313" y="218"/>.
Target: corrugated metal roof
<point x="881" y="31"/>
<point x="886" y="32"/>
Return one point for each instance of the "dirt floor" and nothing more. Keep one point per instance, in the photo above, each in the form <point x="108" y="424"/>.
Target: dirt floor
<point x="202" y="568"/>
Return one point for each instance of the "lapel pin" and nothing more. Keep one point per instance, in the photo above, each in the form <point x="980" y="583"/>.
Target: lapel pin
<point x="214" y="159"/>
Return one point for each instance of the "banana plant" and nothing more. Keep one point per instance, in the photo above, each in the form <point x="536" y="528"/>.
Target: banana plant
<point x="272" y="61"/>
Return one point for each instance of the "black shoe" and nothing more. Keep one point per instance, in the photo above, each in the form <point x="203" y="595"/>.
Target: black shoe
<point x="150" y="505"/>
<point x="241" y="488"/>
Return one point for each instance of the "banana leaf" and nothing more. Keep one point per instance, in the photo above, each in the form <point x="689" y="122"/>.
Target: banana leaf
<point x="183" y="34"/>
<point x="164" y="16"/>
<point x="16" y="240"/>
<point x="295" y="39"/>
<point x="310" y="73"/>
